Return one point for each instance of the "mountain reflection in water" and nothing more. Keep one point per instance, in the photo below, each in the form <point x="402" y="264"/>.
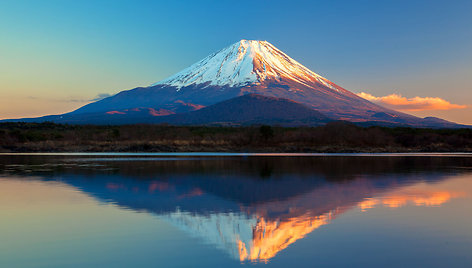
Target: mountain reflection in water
<point x="252" y="208"/>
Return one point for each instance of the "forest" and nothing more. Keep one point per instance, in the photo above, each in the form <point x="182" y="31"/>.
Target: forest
<point x="334" y="137"/>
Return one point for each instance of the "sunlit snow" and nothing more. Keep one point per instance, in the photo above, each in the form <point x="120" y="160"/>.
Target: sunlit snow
<point x="243" y="63"/>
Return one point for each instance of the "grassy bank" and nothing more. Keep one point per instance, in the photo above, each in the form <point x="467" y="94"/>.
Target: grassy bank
<point x="333" y="137"/>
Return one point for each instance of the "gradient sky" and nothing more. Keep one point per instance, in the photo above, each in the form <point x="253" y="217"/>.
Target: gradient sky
<point x="56" y="56"/>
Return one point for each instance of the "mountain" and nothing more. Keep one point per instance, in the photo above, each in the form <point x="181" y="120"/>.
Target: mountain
<point x="245" y="67"/>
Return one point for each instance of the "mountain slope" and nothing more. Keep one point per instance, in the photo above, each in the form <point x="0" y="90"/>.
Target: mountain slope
<point x="244" y="110"/>
<point x="250" y="109"/>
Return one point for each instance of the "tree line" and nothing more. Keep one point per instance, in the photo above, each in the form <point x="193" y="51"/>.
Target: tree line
<point x="333" y="137"/>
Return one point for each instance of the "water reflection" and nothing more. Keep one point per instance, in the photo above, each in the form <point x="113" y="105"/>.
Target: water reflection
<point x="252" y="208"/>
<point x="417" y="198"/>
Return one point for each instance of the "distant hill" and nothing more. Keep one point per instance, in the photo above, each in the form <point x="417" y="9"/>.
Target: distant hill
<point x="250" y="109"/>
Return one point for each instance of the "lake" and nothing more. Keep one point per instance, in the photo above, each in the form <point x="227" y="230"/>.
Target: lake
<point x="233" y="210"/>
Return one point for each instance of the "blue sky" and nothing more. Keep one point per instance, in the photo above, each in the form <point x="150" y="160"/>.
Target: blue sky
<point x="57" y="55"/>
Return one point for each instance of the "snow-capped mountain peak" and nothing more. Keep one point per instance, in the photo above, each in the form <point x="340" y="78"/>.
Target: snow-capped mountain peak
<point x="246" y="62"/>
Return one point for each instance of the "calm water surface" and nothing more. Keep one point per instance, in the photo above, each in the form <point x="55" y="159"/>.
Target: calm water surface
<point x="188" y="210"/>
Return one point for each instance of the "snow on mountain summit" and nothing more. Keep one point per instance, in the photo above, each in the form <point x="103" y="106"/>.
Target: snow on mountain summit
<point x="243" y="63"/>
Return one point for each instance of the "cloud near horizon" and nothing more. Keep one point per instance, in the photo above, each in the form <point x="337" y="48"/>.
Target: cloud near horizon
<point x="98" y="97"/>
<point x="398" y="102"/>
<point x="101" y="96"/>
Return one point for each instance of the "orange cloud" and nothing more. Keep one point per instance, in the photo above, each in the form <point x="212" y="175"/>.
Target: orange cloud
<point x="398" y="102"/>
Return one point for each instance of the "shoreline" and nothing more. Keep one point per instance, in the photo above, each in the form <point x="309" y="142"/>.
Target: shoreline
<point x="224" y="154"/>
